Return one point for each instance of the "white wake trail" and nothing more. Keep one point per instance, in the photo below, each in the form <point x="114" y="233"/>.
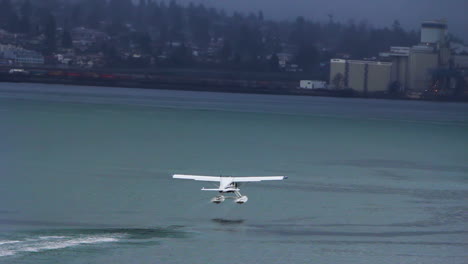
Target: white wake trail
<point x="44" y="243"/>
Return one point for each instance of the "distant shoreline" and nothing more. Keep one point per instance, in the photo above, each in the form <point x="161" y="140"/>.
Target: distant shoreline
<point x="190" y="82"/>
<point x="181" y="83"/>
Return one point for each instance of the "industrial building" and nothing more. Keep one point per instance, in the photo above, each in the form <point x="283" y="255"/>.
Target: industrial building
<point x="402" y="69"/>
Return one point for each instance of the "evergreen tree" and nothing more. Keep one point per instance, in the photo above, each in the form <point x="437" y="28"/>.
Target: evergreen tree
<point x="95" y="12"/>
<point x="50" y="34"/>
<point x="298" y="31"/>
<point x="121" y="11"/>
<point x="25" y="25"/>
<point x="144" y="43"/>
<point x="156" y="15"/>
<point x="14" y="23"/>
<point x="260" y="15"/>
<point x="307" y="56"/>
<point x="26" y="16"/>
<point x="225" y="53"/>
<point x="200" y="27"/>
<point x="9" y="19"/>
<point x="140" y="15"/>
<point x="77" y="15"/>
<point x="273" y="63"/>
<point x="163" y="33"/>
<point x="175" y="22"/>
<point x="181" y="56"/>
<point x="67" y="40"/>
<point x="6" y="11"/>
<point x="338" y="80"/>
<point x="26" y="9"/>
<point x="111" y="55"/>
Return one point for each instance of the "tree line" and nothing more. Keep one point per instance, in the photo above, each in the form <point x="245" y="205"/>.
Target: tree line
<point x="249" y="41"/>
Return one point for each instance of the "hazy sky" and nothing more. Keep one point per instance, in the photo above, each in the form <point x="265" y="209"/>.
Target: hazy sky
<point x="379" y="12"/>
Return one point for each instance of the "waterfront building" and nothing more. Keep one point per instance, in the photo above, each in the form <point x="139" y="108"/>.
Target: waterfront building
<point x="19" y="56"/>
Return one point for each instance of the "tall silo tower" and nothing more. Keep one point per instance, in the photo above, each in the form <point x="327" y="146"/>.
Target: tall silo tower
<point x="433" y="32"/>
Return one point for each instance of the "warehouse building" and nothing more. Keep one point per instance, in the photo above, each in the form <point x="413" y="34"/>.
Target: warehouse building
<point x="362" y="76"/>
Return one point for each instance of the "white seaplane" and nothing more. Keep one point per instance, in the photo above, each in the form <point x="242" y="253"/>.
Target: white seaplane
<point x="228" y="185"/>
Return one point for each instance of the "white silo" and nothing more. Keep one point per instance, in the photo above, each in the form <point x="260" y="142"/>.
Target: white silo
<point x="433" y="32"/>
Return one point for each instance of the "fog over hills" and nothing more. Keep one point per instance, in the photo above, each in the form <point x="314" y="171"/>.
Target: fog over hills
<point x="381" y="13"/>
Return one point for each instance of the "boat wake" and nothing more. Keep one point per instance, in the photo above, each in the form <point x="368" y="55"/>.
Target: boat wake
<point x="41" y="241"/>
<point x="44" y="243"/>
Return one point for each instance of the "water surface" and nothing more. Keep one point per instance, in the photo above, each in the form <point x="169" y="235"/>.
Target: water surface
<point x="86" y="177"/>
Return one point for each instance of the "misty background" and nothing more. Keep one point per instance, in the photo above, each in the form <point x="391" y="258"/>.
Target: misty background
<point x="381" y="13"/>
<point x="294" y="38"/>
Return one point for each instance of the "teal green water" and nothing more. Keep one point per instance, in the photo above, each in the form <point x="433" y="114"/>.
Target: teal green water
<point x="86" y="178"/>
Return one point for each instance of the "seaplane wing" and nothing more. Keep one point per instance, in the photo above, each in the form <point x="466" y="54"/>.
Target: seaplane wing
<point x="227" y="178"/>
<point x="258" y="178"/>
<point x="228" y="185"/>
<point x="197" y="177"/>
